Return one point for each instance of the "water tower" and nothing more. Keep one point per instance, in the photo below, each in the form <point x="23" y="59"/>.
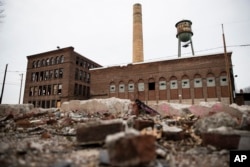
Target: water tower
<point x="184" y="34"/>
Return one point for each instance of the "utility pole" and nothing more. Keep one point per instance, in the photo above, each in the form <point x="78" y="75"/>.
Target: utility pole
<point x="3" y="83"/>
<point x="21" y="88"/>
<point x="227" y="67"/>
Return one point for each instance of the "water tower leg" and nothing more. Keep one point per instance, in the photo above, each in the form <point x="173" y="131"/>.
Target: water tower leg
<point x="179" y="47"/>
<point x="192" y="46"/>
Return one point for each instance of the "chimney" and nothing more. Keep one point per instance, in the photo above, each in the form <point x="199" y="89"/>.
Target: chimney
<point x="137" y="34"/>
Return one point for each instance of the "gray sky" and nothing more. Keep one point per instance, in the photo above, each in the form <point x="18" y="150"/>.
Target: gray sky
<point x="102" y="31"/>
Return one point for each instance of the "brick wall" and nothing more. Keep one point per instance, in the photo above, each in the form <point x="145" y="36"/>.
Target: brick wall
<point x="169" y="80"/>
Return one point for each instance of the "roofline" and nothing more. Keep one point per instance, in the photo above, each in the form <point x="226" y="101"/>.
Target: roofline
<point x="146" y="62"/>
<point x="53" y="51"/>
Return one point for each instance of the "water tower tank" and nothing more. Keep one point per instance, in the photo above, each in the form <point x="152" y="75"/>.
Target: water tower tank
<point x="184" y="31"/>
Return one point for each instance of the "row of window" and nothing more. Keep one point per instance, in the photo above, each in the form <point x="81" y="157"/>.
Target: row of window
<point x="48" y="61"/>
<point x="47" y="75"/>
<point x="82" y="75"/>
<point x="173" y="84"/>
<point x="84" y="64"/>
<point x="46" y="90"/>
<point x="46" y="103"/>
<point x="81" y="90"/>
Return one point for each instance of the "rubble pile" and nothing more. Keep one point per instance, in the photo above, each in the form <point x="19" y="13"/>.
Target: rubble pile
<point x="118" y="132"/>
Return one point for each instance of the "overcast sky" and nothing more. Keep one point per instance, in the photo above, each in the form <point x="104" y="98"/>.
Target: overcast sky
<point x="102" y="31"/>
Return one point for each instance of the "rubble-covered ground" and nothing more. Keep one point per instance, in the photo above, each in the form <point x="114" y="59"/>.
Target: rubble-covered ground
<point x="118" y="132"/>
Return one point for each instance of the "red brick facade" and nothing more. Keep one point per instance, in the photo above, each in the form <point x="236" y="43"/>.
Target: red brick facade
<point x="186" y="80"/>
<point x="57" y="76"/>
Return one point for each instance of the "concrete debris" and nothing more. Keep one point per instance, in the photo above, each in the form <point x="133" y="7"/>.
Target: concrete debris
<point x="118" y="132"/>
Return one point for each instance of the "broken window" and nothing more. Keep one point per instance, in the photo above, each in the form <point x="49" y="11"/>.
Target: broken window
<point x="185" y="83"/>
<point x="197" y="82"/>
<point x="57" y="60"/>
<point x="41" y="76"/>
<point x="52" y="61"/>
<point x="32" y="91"/>
<point x="34" y="64"/>
<point x="55" y="89"/>
<point x="38" y="63"/>
<point x="56" y="73"/>
<point x="223" y="81"/>
<point x="33" y="77"/>
<point x="35" y="91"/>
<point x="131" y="87"/>
<point x="40" y="90"/>
<point x="121" y="88"/>
<point x="140" y="87"/>
<point x="51" y="74"/>
<point x="88" y="77"/>
<point x="162" y="85"/>
<point x="44" y="90"/>
<point x="47" y="62"/>
<point x="81" y="75"/>
<point x="43" y="62"/>
<point x="210" y="81"/>
<point x="61" y="73"/>
<point x="61" y="59"/>
<point x="112" y="88"/>
<point x="59" y="89"/>
<point x="173" y="84"/>
<point x="46" y="75"/>
<point x="49" y="90"/>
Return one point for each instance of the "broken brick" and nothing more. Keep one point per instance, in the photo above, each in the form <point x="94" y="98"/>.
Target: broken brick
<point x="141" y="124"/>
<point x="96" y="132"/>
<point x="132" y="150"/>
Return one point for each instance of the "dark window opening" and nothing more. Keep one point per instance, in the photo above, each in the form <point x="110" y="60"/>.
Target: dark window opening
<point x="151" y="86"/>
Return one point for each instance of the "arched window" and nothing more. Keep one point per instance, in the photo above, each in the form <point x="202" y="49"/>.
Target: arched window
<point x="47" y="62"/>
<point x="112" y="87"/>
<point x="223" y="79"/>
<point x="38" y="63"/>
<point x="210" y="80"/>
<point x="173" y="83"/>
<point x="162" y="84"/>
<point x="197" y="81"/>
<point x="34" y="64"/>
<point x="151" y="84"/>
<point x="57" y="60"/>
<point x="121" y="87"/>
<point x="131" y="86"/>
<point x="185" y="82"/>
<point x="52" y="61"/>
<point x="141" y="85"/>
<point x="43" y="62"/>
<point x="61" y="59"/>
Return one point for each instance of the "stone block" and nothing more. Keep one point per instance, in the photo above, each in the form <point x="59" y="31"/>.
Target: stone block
<point x="96" y="132"/>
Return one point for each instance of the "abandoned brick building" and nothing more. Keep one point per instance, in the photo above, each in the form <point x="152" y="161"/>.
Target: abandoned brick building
<point x="182" y="80"/>
<point x="57" y="76"/>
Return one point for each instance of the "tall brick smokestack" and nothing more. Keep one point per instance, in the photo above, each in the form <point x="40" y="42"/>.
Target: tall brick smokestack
<point x="137" y="34"/>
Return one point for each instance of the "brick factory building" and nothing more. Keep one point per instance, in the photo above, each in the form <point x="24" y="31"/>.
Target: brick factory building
<point x="181" y="80"/>
<point x="57" y="76"/>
